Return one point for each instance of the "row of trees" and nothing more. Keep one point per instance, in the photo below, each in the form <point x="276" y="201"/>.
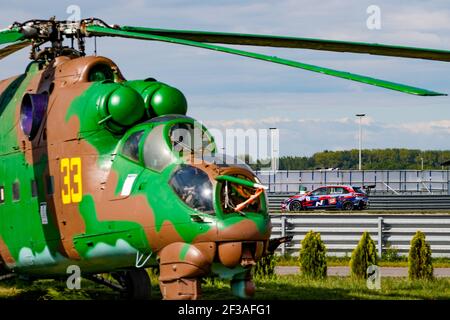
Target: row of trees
<point x="313" y="262"/>
<point x="375" y="159"/>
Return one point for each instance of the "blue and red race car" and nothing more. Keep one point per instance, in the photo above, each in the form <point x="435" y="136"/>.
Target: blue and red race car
<point x="341" y="197"/>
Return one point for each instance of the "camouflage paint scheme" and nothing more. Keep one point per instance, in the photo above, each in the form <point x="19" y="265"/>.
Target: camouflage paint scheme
<point x="106" y="230"/>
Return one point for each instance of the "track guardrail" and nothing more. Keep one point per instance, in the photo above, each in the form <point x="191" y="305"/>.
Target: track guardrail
<point x="377" y="202"/>
<point x="342" y="232"/>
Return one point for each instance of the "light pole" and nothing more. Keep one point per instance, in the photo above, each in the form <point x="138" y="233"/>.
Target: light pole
<point x="360" y="116"/>
<point x="223" y="155"/>
<point x="273" y="147"/>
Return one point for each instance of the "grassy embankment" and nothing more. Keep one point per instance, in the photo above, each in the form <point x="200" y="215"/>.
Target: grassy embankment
<point x="290" y="287"/>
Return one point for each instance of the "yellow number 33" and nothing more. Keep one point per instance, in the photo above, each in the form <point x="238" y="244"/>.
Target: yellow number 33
<point x="71" y="167"/>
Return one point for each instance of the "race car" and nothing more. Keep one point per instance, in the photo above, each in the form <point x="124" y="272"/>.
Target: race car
<point x="340" y="197"/>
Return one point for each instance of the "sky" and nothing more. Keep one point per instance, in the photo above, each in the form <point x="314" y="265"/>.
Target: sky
<point x="312" y="112"/>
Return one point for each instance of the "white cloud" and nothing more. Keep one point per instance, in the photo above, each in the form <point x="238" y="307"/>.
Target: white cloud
<point x="313" y="111"/>
<point x="431" y="127"/>
<point x="416" y="18"/>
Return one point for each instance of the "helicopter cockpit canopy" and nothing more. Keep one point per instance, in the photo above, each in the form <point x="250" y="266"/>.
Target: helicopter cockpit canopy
<point x="168" y="141"/>
<point x="181" y="141"/>
<point x="194" y="187"/>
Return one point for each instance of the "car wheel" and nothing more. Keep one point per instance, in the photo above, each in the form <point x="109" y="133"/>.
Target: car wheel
<point x="295" y="206"/>
<point x="347" y="206"/>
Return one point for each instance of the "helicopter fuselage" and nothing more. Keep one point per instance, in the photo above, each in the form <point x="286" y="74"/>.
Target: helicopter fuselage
<point x="93" y="174"/>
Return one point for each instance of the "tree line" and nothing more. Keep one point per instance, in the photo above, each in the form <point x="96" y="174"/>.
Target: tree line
<point x="372" y="159"/>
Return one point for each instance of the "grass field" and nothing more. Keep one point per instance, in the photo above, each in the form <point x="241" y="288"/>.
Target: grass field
<point x="287" y="287"/>
<point x="345" y="261"/>
<point x="291" y="287"/>
<point x="295" y="287"/>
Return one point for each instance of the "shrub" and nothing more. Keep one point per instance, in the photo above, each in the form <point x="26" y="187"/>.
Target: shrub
<point x="265" y="267"/>
<point x="313" y="262"/>
<point x="420" y="265"/>
<point x="390" y="253"/>
<point x="364" y="255"/>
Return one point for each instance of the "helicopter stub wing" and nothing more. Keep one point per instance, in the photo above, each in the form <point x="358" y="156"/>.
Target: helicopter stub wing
<point x="296" y="42"/>
<point x="95" y="30"/>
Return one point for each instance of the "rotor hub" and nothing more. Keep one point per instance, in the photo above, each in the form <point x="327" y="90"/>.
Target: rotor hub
<point x="39" y="32"/>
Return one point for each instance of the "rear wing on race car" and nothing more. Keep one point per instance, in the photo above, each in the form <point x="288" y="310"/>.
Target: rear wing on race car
<point x="274" y="243"/>
<point x="368" y="188"/>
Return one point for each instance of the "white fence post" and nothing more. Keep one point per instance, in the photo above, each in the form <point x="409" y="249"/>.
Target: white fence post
<point x="380" y="236"/>
<point x="283" y="234"/>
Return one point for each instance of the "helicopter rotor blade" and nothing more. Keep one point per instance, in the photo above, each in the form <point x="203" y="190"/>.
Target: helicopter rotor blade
<point x="11" y="35"/>
<point x="299" y="43"/>
<point x="95" y="30"/>
<point x="6" y="51"/>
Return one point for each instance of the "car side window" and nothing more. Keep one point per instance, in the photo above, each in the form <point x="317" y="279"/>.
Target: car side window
<point x="337" y="190"/>
<point x="320" y="192"/>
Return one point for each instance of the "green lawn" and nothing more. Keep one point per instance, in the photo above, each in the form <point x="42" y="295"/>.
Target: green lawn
<point x="291" y="287"/>
<point x="338" y="262"/>
<point x="295" y="287"/>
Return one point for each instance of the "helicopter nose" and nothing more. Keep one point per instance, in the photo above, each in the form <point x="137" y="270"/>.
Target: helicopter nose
<point x="246" y="254"/>
<point x="256" y="228"/>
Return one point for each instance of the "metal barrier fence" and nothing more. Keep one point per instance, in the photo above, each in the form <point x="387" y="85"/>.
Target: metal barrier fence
<point x="385" y="181"/>
<point x="417" y="202"/>
<point x="341" y="233"/>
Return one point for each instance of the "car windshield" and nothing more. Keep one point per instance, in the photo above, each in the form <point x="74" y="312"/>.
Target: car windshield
<point x="358" y="190"/>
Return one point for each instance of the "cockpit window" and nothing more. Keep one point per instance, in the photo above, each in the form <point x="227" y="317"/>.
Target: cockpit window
<point x="101" y="72"/>
<point x="186" y="139"/>
<point x="233" y="194"/>
<point x="223" y="160"/>
<point x="130" y="148"/>
<point x="156" y="152"/>
<point x="193" y="186"/>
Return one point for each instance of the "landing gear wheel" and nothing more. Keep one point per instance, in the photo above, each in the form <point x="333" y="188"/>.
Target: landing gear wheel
<point x="347" y="206"/>
<point x="131" y="284"/>
<point x="136" y="284"/>
<point x="295" y="206"/>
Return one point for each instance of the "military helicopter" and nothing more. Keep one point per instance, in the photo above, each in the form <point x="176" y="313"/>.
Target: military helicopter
<point x="110" y="175"/>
